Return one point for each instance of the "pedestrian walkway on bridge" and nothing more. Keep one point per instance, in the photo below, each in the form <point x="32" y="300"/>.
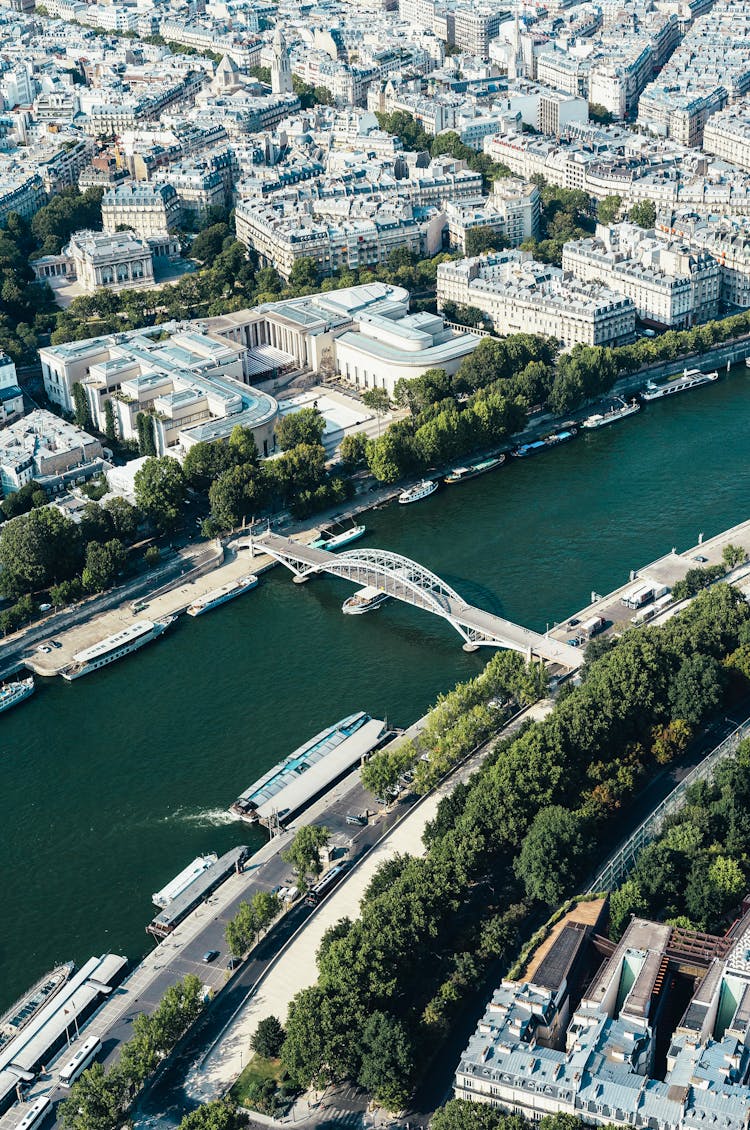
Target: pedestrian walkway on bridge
<point x="410" y="582"/>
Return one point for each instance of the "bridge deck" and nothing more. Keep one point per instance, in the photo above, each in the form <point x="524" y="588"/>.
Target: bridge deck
<point x="403" y="583"/>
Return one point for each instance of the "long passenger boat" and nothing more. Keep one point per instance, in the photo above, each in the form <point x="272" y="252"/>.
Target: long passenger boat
<point x="337" y="541"/>
<point x="295" y="782"/>
<point x="619" y="411"/>
<point x="689" y="378"/>
<point x="472" y="470"/>
<point x="114" y="647"/>
<point x="15" y="1019"/>
<point x="221" y="595"/>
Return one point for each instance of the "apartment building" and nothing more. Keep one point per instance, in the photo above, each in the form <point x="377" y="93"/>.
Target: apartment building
<point x="727" y="135"/>
<point x="282" y="232"/>
<point x="149" y="209"/>
<point x="710" y="69"/>
<point x="511" y="210"/>
<point x="672" y="285"/>
<point x="727" y="240"/>
<point x="626" y="1050"/>
<point x="51" y="451"/>
<point x="519" y="295"/>
<point x="475" y="26"/>
<point x="617" y="81"/>
<point x="11" y="397"/>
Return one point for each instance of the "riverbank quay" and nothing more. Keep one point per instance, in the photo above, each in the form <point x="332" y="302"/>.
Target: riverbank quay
<point x="295" y="968"/>
<point x="194" y="562"/>
<point x="182" y="952"/>
<point x="664" y="572"/>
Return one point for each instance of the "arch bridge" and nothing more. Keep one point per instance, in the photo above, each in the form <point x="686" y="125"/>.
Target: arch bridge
<point x="406" y="580"/>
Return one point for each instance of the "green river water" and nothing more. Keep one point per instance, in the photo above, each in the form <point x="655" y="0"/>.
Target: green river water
<point x="113" y="783"/>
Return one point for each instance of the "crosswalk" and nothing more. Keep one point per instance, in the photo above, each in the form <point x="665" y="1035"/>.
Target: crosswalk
<point x="355" y="1119"/>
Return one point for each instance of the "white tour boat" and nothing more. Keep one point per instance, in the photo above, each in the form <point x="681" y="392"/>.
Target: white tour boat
<point x="13" y="693"/>
<point x="122" y="643"/>
<point x="364" y="600"/>
<point x="418" y="492"/>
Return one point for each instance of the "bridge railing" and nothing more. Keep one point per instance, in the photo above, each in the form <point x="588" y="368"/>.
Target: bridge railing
<point x="619" y="866"/>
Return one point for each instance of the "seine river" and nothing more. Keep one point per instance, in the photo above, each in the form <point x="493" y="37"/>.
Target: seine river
<point x="113" y="783"/>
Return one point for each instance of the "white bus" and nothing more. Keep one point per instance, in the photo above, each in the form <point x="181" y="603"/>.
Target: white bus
<point x="35" y="1115"/>
<point x="80" y="1060"/>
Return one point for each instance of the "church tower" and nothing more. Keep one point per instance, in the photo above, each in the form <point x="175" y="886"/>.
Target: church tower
<point x="516" y="64"/>
<point x="281" y="68"/>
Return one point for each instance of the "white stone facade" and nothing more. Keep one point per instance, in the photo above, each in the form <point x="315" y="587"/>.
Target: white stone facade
<point x="672" y="286"/>
<point x="384" y="349"/>
<point x="147" y="209"/>
<point x="519" y="295"/>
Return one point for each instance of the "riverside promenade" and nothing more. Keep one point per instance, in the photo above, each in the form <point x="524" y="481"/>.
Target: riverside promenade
<point x="666" y="570"/>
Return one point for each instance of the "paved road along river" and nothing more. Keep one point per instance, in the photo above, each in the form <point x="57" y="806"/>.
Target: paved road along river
<point x="113" y="783"/>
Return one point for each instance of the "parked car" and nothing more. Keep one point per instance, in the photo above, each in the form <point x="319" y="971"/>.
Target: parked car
<point x="210" y="955"/>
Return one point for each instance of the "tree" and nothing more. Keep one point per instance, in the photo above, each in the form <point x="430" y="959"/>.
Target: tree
<point x="460" y="1114"/>
<point x="82" y="415"/>
<point x="600" y="114"/>
<point x="387" y="1060"/>
<point x="68" y="211"/>
<point x="304" y="275"/>
<point x="208" y="245"/>
<point x="376" y="399"/>
<point x="218" y="1115"/>
<point x="418" y="394"/>
<point x="205" y="461"/>
<point x="353" y="450"/>
<point x="110" y="428"/>
<point x="145" y="426"/>
<point x="643" y="214"/>
<point x="268" y="1038"/>
<point x="238" y="494"/>
<point x="305" y="426"/>
<point x="551" y="854"/>
<point x="319" y="1046"/>
<point x="483" y="238"/>
<point x="608" y="209"/>
<point x="160" y="492"/>
<point x="732" y="556"/>
<point x="96" y="1101"/>
<point x="696" y="689"/>
<point x="242" y="445"/>
<point x="65" y="593"/>
<point x="304" y="850"/>
<point x="103" y="563"/>
<point x="670" y="741"/>
<point x="21" y="501"/>
<point x="96" y="523"/>
<point x="124" y="517"/>
<point x="381" y="771"/>
<point x="37" y="549"/>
